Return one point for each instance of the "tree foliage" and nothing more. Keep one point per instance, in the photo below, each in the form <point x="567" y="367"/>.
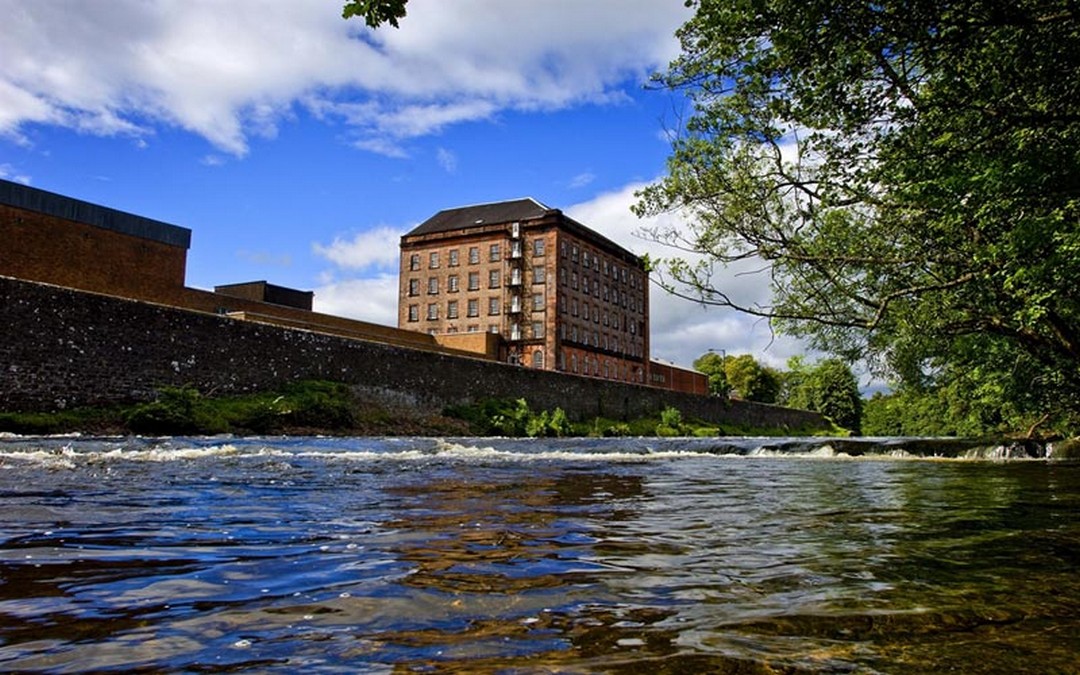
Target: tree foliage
<point x="712" y="365"/>
<point x="907" y="172"/>
<point x="375" y="12"/>
<point x="750" y="380"/>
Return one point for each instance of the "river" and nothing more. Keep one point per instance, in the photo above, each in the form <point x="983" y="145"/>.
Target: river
<point x="651" y="556"/>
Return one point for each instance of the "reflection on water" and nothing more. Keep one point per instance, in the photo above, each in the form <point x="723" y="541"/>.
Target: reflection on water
<point x="346" y="555"/>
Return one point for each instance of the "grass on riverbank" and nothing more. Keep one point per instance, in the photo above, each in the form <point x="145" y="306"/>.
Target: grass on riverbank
<point x="330" y="408"/>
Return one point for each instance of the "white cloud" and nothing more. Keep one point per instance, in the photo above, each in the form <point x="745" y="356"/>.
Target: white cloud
<point x="682" y="330"/>
<point x="372" y="299"/>
<point x="236" y="70"/>
<point x="581" y="180"/>
<point x="377" y="248"/>
<point x="8" y="172"/>
<point x="447" y="160"/>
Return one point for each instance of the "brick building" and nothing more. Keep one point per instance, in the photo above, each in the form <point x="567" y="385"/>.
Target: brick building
<point x="560" y="296"/>
<point x="68" y="242"/>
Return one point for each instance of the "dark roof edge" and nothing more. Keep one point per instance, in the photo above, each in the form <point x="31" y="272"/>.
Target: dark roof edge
<point x="32" y="199"/>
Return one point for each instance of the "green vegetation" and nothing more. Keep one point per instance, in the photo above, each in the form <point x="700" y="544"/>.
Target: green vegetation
<point x="906" y="175"/>
<point x="514" y="418"/>
<point x="299" y="408"/>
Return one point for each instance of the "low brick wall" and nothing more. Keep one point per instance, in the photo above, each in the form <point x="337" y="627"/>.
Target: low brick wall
<point x="65" y="348"/>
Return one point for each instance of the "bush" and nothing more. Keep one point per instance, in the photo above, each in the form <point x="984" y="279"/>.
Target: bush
<point x="176" y="411"/>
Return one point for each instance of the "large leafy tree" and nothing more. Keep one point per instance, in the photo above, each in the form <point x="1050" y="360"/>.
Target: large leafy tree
<point x="906" y="171"/>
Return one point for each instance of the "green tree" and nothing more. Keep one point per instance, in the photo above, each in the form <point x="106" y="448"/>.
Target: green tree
<point x="910" y="173"/>
<point x="712" y="365"/>
<point x="751" y="380"/>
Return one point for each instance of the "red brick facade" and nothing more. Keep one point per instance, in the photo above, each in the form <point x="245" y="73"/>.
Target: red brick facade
<point x="42" y="247"/>
<point x="561" y="296"/>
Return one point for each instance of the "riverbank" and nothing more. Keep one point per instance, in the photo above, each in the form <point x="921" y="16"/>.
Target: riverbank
<point x="313" y="407"/>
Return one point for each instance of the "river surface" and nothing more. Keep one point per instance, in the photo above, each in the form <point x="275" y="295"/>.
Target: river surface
<point x="505" y="556"/>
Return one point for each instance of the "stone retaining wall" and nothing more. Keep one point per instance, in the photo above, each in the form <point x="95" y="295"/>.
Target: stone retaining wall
<point x="65" y="348"/>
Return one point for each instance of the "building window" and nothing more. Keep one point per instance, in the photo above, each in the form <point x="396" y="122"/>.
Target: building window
<point x="414" y="312"/>
<point x="451" y="309"/>
<point x="585" y="259"/>
<point x="493" y="306"/>
<point x="564" y="278"/>
<point x="493" y="279"/>
<point x="564" y="304"/>
<point x="433" y="261"/>
<point x="493" y="328"/>
<point x="574" y="253"/>
<point x="474" y="307"/>
<point x="539" y="275"/>
<point x="563" y="246"/>
<point x="596" y="313"/>
<point x="573" y="362"/>
<point x="474" y="281"/>
<point x="414" y="261"/>
<point x="538" y="247"/>
<point x="573" y="280"/>
<point x="474" y="255"/>
<point x="473" y="328"/>
<point x="414" y="287"/>
<point x="574" y="307"/>
<point x="453" y="258"/>
<point x="452" y="283"/>
<point x="433" y="285"/>
<point x="538" y="329"/>
<point x="538" y="359"/>
<point x="585" y="311"/>
<point x="493" y="253"/>
<point x="538" y="302"/>
<point x="432" y="311"/>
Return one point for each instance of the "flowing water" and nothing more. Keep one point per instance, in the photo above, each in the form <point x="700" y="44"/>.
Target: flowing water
<point x="569" y="556"/>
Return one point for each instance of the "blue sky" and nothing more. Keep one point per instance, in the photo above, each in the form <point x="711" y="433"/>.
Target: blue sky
<point x="298" y="147"/>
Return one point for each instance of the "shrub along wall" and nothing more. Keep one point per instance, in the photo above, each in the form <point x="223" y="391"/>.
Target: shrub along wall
<point x="64" y="348"/>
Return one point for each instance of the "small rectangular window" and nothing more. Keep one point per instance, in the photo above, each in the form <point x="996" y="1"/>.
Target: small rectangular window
<point x="538" y="247"/>
<point x="538" y="302"/>
<point x="432" y="311"/>
<point x="538" y="329"/>
<point x="414" y="312"/>
<point x="451" y="309"/>
<point x="452" y="283"/>
<point x="474" y="281"/>
<point x="493" y="279"/>
<point x="433" y="285"/>
<point x="453" y="258"/>
<point x="539" y="275"/>
<point x="414" y="287"/>
<point x="493" y="306"/>
<point x="433" y="261"/>
<point x="414" y="261"/>
<point x="474" y="308"/>
<point x="474" y="255"/>
<point x="493" y="253"/>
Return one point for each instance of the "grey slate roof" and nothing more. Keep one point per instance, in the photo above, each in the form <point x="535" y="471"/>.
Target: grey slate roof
<point x="59" y="206"/>
<point x="481" y="214"/>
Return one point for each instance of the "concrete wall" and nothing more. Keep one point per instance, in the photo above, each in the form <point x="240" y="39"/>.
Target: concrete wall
<point x="63" y="348"/>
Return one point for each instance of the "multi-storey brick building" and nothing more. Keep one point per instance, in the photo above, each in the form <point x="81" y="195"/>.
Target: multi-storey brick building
<point x="560" y="296"/>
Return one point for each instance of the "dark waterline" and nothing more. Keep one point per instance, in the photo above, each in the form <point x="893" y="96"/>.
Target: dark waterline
<point x="638" y="556"/>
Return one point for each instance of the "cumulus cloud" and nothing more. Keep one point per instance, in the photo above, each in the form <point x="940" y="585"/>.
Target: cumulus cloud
<point x="233" y="71"/>
<point x="377" y="247"/>
<point x="683" y="330"/>
<point x="372" y="299"/>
